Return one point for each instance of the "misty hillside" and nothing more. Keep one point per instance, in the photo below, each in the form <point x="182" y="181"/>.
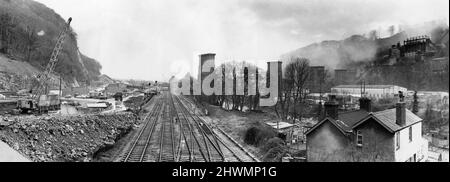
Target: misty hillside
<point x="365" y="55"/>
<point x="337" y="54"/>
<point x="28" y="33"/>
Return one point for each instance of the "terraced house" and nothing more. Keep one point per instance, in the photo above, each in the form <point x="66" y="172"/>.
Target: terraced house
<point x="393" y="135"/>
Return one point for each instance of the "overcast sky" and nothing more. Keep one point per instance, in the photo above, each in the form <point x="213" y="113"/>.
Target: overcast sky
<point x="155" y="39"/>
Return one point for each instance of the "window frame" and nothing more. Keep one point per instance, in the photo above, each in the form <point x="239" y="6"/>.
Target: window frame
<point x="397" y="141"/>
<point x="359" y="142"/>
<point x="410" y="130"/>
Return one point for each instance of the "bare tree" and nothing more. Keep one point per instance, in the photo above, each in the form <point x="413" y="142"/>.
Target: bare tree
<point x="294" y="88"/>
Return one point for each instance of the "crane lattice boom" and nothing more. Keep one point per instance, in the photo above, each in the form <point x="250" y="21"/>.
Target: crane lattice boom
<point x="44" y="77"/>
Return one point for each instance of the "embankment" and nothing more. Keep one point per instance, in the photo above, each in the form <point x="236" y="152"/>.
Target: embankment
<point x="69" y="139"/>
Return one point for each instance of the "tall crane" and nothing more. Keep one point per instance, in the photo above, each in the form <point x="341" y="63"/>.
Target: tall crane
<point x="40" y="101"/>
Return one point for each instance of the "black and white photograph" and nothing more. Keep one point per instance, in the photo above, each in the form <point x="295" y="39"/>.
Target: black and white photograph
<point x="224" y="81"/>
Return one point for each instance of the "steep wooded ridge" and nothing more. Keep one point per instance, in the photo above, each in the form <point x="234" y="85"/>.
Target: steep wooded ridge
<point x="28" y="33"/>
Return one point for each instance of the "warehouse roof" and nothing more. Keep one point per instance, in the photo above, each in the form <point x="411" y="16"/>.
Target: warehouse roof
<point x="367" y="86"/>
<point x="96" y="105"/>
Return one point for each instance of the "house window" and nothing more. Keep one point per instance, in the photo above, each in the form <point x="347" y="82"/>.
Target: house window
<point x="397" y="140"/>
<point x="359" y="138"/>
<point x="410" y="134"/>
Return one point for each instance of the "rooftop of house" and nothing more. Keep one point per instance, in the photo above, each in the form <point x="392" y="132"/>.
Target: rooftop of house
<point x="388" y="118"/>
<point x="347" y="121"/>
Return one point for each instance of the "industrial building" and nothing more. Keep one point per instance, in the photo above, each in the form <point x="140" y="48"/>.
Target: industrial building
<point x="344" y="77"/>
<point x="414" y="49"/>
<point x="316" y="79"/>
<point x="372" y="91"/>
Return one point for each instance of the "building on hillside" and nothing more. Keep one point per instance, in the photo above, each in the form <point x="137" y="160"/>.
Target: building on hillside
<point x="393" y="135"/>
<point x="372" y="91"/>
<point x="344" y="77"/>
<point x="417" y="46"/>
<point x="316" y="79"/>
<point x="414" y="49"/>
<point x="438" y="65"/>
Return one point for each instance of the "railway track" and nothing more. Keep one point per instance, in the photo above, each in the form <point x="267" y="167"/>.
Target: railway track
<point x="167" y="140"/>
<point x="199" y="151"/>
<point x="233" y="151"/>
<point x="215" y="152"/>
<point x="174" y="132"/>
<point x="139" y="147"/>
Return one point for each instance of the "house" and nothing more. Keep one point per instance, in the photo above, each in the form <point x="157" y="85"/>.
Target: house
<point x="439" y="138"/>
<point x="393" y="135"/>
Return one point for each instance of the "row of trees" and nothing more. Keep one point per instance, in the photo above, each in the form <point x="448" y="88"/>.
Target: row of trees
<point x="236" y="71"/>
<point x="292" y="101"/>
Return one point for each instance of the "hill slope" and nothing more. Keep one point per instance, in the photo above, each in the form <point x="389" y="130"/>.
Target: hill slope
<point x="28" y="33"/>
<point x="336" y="54"/>
<point x="364" y="55"/>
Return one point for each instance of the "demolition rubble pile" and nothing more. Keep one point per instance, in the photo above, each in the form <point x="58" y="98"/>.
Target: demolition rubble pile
<point x="74" y="138"/>
<point x="135" y="104"/>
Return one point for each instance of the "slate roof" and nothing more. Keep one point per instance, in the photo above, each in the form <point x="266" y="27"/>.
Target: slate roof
<point x="388" y="118"/>
<point x="347" y="121"/>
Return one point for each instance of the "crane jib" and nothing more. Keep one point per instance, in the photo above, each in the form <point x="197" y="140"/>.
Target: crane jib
<point x="44" y="77"/>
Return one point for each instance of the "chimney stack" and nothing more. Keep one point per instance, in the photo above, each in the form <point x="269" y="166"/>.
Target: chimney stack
<point x="400" y="110"/>
<point x="331" y="108"/>
<point x="400" y="113"/>
<point x="280" y="75"/>
<point x="365" y="104"/>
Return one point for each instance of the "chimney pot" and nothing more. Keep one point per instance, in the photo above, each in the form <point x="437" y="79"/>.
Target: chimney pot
<point x="400" y="113"/>
<point x="332" y="108"/>
<point x="365" y="104"/>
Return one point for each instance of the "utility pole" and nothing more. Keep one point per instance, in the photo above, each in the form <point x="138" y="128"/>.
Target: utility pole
<point x="60" y="86"/>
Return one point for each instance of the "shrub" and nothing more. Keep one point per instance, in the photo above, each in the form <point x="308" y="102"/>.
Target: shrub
<point x="258" y="134"/>
<point x="275" y="150"/>
<point x="273" y="143"/>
